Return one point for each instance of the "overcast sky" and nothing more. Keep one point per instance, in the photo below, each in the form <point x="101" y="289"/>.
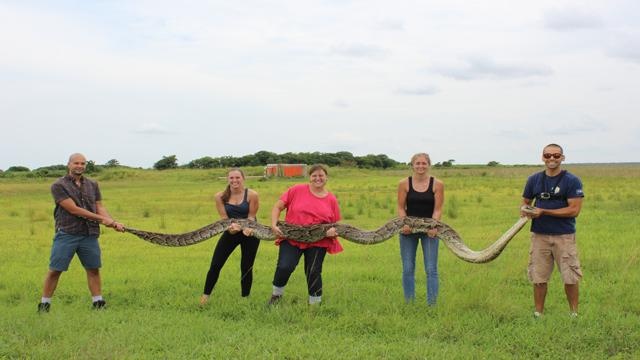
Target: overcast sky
<point x="473" y="81"/>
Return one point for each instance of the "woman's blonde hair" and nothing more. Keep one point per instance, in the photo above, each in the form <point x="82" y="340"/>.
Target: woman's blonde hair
<point x="415" y="156"/>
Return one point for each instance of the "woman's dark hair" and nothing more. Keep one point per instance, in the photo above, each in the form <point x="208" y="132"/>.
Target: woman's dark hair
<point x="226" y="194"/>
<point x="315" y="167"/>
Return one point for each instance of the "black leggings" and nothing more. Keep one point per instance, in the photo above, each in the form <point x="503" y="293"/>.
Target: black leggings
<point x="288" y="258"/>
<point x="227" y="243"/>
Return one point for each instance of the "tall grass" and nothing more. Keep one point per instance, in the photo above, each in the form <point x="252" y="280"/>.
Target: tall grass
<point x="484" y="311"/>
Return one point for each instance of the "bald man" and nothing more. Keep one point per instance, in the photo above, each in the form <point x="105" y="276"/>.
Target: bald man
<point x="78" y="215"/>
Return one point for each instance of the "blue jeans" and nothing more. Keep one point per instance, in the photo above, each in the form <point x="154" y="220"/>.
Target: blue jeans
<point x="408" y="249"/>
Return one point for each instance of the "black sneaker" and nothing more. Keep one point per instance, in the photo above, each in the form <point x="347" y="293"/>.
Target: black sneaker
<point x="44" y="307"/>
<point x="275" y="299"/>
<point x="99" y="305"/>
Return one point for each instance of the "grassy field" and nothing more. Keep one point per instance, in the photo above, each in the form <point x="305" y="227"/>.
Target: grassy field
<point x="484" y="311"/>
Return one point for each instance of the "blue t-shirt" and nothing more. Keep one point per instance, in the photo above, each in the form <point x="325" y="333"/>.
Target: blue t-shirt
<point x="559" y="188"/>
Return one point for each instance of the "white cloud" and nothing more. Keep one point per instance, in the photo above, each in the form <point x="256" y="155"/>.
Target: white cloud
<point x="151" y="129"/>
<point x="576" y="127"/>
<point x="569" y="19"/>
<point x="358" y="50"/>
<point x="391" y="25"/>
<point x="345" y="137"/>
<point x="484" y="68"/>
<point x="626" y="47"/>
<point x="339" y="103"/>
<point x="419" y="91"/>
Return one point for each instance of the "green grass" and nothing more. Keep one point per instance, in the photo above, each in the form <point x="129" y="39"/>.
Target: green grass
<point x="484" y="311"/>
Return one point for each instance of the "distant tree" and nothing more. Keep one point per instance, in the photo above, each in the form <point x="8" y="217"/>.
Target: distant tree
<point x="167" y="162"/>
<point x="229" y="161"/>
<point x="386" y="161"/>
<point x="493" y="163"/>
<point x="206" y="162"/>
<point x="330" y="160"/>
<point x="53" y="168"/>
<point x="291" y="158"/>
<point x="246" y="160"/>
<point x="112" y="163"/>
<point x="91" y="167"/>
<point x="346" y="158"/>
<point x="448" y="163"/>
<point x="45" y="172"/>
<point x="311" y="158"/>
<point x="374" y="161"/>
<point x="18" y="169"/>
<point x="365" y="161"/>
<point x="49" y="171"/>
<point x="266" y="157"/>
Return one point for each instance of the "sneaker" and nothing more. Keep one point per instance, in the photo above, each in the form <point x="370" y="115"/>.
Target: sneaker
<point x="275" y="299"/>
<point x="573" y="314"/>
<point x="99" y="305"/>
<point x="315" y="300"/>
<point x="44" y="307"/>
<point x="537" y="315"/>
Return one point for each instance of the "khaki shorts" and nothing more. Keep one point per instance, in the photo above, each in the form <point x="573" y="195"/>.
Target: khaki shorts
<point x="547" y="248"/>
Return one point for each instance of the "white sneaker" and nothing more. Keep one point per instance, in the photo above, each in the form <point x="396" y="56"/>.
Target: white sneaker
<point x="573" y="314"/>
<point x="537" y="315"/>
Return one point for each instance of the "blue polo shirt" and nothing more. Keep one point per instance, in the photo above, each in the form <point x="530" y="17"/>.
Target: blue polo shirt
<point x="560" y="188"/>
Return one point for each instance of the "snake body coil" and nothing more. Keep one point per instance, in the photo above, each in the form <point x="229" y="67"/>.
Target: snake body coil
<point x="312" y="233"/>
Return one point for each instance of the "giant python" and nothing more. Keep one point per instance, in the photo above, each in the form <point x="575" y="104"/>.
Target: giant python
<point x="312" y="233"/>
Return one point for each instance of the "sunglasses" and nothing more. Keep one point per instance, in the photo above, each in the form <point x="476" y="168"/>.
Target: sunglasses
<point x="549" y="156"/>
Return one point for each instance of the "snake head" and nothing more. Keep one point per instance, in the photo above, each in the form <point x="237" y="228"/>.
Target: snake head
<point x="528" y="209"/>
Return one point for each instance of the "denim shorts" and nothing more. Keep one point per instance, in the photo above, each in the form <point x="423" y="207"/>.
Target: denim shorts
<point x="66" y="245"/>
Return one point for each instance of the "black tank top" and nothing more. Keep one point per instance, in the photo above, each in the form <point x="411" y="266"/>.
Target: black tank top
<point x="240" y="211"/>
<point x="421" y="204"/>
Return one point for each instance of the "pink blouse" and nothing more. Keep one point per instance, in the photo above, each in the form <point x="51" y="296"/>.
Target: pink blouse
<point x="304" y="208"/>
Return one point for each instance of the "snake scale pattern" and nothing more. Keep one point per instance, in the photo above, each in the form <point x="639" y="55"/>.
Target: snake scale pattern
<point x="312" y="233"/>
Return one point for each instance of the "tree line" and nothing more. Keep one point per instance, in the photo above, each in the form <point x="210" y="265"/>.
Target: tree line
<point x="54" y="170"/>
<point x="262" y="158"/>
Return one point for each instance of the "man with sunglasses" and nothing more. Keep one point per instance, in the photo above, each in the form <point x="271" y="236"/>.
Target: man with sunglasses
<point x="558" y="199"/>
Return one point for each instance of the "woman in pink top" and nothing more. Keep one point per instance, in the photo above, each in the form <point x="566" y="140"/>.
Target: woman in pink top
<point x="306" y="204"/>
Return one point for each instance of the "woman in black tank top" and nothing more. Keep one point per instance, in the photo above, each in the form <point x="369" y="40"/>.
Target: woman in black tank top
<point x="235" y="202"/>
<point x="420" y="195"/>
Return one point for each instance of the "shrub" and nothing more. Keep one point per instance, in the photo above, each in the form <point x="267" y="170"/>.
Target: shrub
<point x="167" y="162"/>
<point x="18" y="169"/>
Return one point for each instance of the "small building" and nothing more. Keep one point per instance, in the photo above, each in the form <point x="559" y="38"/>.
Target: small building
<point x="285" y="170"/>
